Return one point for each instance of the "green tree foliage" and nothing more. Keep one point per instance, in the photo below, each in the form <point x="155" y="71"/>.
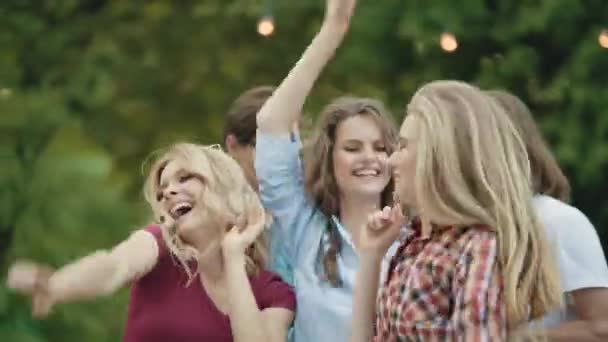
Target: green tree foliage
<point x="88" y="89"/>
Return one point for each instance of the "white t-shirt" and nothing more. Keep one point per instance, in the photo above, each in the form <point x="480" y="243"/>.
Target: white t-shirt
<point x="580" y="257"/>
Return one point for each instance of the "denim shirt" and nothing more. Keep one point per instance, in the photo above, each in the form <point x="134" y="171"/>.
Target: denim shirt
<point x="323" y="312"/>
<point x="278" y="261"/>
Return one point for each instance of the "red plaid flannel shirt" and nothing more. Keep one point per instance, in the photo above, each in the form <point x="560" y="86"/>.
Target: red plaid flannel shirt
<point x="446" y="287"/>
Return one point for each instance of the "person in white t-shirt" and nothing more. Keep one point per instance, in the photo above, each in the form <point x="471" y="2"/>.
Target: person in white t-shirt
<point x="581" y="260"/>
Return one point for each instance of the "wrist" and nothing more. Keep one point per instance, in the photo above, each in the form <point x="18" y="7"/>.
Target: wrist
<point x="52" y="288"/>
<point x="338" y="21"/>
<point x="334" y="30"/>
<point x="234" y="261"/>
<point x="372" y="256"/>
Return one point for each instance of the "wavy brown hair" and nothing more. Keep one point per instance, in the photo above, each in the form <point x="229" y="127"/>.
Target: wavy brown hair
<point x="319" y="178"/>
<point x="547" y="176"/>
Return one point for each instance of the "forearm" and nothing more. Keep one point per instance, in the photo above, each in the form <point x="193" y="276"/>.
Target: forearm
<point x="583" y="331"/>
<point x="245" y="317"/>
<point x="283" y="109"/>
<point x="95" y="275"/>
<point x="365" y="293"/>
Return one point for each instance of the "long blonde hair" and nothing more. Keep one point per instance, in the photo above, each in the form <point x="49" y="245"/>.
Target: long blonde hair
<point x="319" y="179"/>
<point x="472" y="168"/>
<point x="227" y="196"/>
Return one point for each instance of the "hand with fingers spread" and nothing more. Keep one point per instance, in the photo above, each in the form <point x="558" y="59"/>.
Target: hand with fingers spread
<point x="243" y="233"/>
<point x="32" y="279"/>
<point x="381" y="230"/>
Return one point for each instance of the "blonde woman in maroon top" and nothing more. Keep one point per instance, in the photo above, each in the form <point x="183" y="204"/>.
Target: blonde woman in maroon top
<point x="473" y="263"/>
<point x="198" y="277"/>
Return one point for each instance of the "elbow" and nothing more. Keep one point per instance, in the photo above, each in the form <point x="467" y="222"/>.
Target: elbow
<point x="356" y="337"/>
<point x="262" y="336"/>
<point x="118" y="276"/>
<point x="92" y="276"/>
<point x="112" y="273"/>
<point x="269" y="123"/>
<point x="599" y="328"/>
<point x="269" y="338"/>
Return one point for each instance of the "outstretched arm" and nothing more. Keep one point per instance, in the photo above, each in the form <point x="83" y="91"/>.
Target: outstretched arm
<point x="281" y="112"/>
<point x="98" y="274"/>
<point x="247" y="321"/>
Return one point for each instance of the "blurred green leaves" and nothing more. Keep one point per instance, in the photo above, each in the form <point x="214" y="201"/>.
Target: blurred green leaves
<point x="88" y="89"/>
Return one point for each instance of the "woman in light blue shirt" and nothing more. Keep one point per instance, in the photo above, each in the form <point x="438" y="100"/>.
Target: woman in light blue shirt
<point x="319" y="204"/>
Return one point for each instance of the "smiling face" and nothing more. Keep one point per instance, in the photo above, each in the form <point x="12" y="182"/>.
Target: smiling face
<point x="347" y="155"/>
<point x="359" y="156"/>
<point x="202" y="192"/>
<point x="180" y="194"/>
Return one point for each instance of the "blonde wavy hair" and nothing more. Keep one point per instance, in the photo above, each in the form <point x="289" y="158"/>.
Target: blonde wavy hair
<point x="227" y="197"/>
<point x="472" y="168"/>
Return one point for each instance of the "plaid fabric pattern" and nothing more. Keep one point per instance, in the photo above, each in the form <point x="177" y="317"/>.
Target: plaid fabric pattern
<point x="446" y="287"/>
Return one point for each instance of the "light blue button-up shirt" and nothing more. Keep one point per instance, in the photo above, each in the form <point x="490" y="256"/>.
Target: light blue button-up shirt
<point x="323" y="312"/>
<point x="278" y="262"/>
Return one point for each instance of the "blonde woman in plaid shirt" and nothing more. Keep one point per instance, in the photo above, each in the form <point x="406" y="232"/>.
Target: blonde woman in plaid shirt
<point x="475" y="263"/>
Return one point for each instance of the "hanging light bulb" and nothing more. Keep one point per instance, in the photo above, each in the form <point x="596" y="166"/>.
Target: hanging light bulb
<point x="266" y="26"/>
<point x="5" y="92"/>
<point x="602" y="39"/>
<point x="448" y="42"/>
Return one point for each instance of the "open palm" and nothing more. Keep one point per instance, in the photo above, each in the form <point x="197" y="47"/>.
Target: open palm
<point x="244" y="232"/>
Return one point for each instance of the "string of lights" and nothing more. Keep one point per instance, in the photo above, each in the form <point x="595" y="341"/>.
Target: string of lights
<point x="266" y="22"/>
<point x="447" y="40"/>
<point x="602" y="39"/>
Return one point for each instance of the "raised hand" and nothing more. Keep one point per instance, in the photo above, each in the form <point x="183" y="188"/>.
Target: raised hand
<point x="32" y="279"/>
<point x="381" y="230"/>
<point x="339" y="11"/>
<point x="244" y="232"/>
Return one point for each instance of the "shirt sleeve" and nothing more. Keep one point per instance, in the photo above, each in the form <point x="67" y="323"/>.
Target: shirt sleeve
<point x="155" y="230"/>
<point x="479" y="310"/>
<point x="274" y="292"/>
<point x="582" y="262"/>
<point x="281" y="178"/>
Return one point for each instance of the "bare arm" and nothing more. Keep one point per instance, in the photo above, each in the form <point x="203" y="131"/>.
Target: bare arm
<point x="277" y="322"/>
<point x="381" y="230"/>
<point x="582" y="264"/>
<point x="282" y="111"/>
<point x="98" y="274"/>
<point x="364" y="306"/>
<point x="104" y="272"/>
<point x="248" y="322"/>
<point x="591" y="309"/>
<point x="245" y="317"/>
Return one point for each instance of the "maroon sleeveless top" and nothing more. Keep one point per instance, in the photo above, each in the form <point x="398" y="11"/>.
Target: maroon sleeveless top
<point x="163" y="309"/>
